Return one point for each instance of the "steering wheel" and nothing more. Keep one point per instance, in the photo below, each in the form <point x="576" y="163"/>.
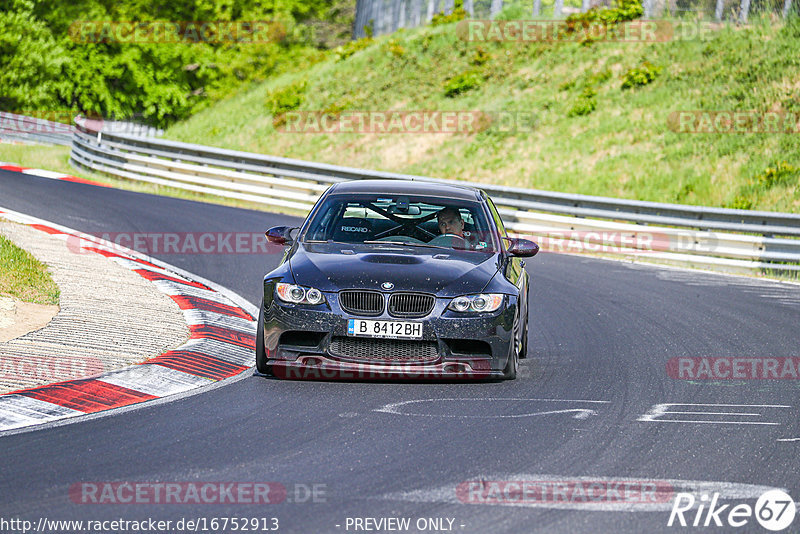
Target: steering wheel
<point x="451" y="240"/>
<point x="400" y="239"/>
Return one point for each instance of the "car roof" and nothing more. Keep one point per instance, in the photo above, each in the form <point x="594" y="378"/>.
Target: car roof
<point x="407" y="187"/>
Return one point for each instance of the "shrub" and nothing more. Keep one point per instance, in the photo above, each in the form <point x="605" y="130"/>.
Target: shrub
<point x="440" y="18"/>
<point x="461" y="83"/>
<point x="480" y="57"/>
<point x="740" y="203"/>
<point x="584" y="104"/>
<point x="638" y="76"/>
<point x="346" y="50"/>
<point x="288" y="98"/>
<point x="781" y="174"/>
<point x="608" y="17"/>
<point x="624" y="10"/>
<point x="395" y="48"/>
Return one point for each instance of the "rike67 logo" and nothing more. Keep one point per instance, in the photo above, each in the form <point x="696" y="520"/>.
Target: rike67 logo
<point x="774" y="510"/>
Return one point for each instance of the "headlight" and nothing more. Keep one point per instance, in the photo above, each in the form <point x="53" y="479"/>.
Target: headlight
<point x="298" y="294"/>
<point x="485" y="302"/>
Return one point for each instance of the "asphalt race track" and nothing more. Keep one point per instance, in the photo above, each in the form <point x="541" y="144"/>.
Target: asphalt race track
<point x="601" y="334"/>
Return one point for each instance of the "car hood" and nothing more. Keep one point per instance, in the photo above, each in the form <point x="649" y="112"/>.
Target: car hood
<point x="445" y="272"/>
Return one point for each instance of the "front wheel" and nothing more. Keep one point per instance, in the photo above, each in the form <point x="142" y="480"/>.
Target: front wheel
<point x="510" y="370"/>
<point x="261" y="353"/>
<point x="523" y="350"/>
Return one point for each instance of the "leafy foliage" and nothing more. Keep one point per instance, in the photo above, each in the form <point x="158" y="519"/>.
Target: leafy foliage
<point x="641" y="75"/>
<point x="584" y="104"/>
<point x="441" y="18"/>
<point x="461" y="83"/>
<point x="47" y="62"/>
<point x="351" y="47"/>
<point x="622" y="11"/>
<point x="781" y="174"/>
<point x="31" y="60"/>
<point x="288" y="98"/>
<point x="607" y="18"/>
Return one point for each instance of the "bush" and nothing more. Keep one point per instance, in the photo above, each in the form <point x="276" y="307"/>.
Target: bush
<point x="781" y="174"/>
<point x="48" y="63"/>
<point x="624" y="10"/>
<point x="638" y="76"/>
<point x="285" y="99"/>
<point x="440" y="18"/>
<point x="740" y="203"/>
<point x="345" y="51"/>
<point x="480" y="57"/>
<point x="394" y="48"/>
<point x="31" y="61"/>
<point x="584" y="104"/>
<point x="461" y="83"/>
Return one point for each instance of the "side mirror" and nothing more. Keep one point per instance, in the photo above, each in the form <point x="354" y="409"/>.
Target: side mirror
<point x="280" y="235"/>
<point x="522" y="248"/>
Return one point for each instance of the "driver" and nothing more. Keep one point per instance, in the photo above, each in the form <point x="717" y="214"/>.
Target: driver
<point x="450" y="222"/>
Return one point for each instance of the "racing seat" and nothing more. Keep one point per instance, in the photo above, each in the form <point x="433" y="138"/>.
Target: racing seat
<point x="353" y="230"/>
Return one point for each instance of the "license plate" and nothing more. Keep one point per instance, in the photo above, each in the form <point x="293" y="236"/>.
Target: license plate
<point x="384" y="329"/>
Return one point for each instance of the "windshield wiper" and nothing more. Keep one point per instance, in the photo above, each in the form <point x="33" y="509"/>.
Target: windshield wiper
<point x="405" y="243"/>
<point x="328" y="241"/>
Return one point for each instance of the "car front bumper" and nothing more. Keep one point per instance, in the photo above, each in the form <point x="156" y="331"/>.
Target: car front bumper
<point x="311" y="342"/>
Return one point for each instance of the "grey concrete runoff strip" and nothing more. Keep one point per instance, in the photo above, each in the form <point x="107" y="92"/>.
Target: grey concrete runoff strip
<point x="109" y="318"/>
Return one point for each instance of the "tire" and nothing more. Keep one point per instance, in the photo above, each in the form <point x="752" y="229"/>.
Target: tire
<point x="523" y="351"/>
<point x="510" y="370"/>
<point x="261" y="354"/>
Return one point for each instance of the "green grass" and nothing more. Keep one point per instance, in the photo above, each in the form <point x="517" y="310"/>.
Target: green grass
<point x="614" y="142"/>
<point x="24" y="277"/>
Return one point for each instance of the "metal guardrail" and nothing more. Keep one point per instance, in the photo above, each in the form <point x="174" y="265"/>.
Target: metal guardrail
<point x="712" y="237"/>
<point x="16" y="127"/>
<point x="33" y="130"/>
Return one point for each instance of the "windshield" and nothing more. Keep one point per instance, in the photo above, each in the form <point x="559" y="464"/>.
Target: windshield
<point x="402" y="220"/>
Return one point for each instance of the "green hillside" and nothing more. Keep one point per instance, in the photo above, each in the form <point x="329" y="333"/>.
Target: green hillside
<point x="600" y="111"/>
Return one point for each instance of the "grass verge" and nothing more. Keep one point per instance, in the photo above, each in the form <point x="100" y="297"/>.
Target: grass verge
<point x="601" y="113"/>
<point x="24" y="277"/>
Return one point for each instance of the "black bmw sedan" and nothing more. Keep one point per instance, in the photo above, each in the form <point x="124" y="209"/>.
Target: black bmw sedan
<point x="392" y="279"/>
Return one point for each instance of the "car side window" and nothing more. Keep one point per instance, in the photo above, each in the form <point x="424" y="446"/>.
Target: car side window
<point x="497" y="220"/>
